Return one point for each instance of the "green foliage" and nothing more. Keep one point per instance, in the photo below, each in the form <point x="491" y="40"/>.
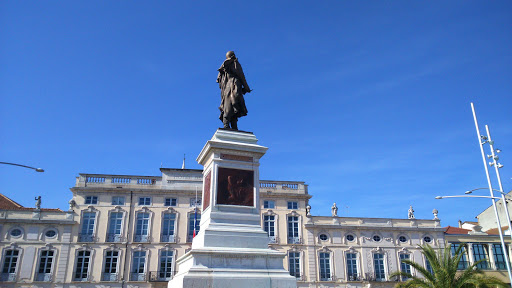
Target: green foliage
<point x="445" y="273"/>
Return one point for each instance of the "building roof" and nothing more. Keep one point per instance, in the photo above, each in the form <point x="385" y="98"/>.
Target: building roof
<point x="494" y="231"/>
<point x="7" y="203"/>
<point x="456" y="230"/>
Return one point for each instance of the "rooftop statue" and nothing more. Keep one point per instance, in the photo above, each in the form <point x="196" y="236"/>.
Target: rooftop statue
<point x="233" y="86"/>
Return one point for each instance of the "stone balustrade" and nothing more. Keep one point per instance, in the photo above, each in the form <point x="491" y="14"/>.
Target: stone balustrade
<point x="181" y="182"/>
<point x="114" y="181"/>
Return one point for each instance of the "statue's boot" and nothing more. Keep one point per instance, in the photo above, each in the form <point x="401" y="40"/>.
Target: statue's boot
<point x="234" y="123"/>
<point x="225" y="122"/>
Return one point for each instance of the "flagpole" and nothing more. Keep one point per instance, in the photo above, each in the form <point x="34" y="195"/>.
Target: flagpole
<point x="195" y="215"/>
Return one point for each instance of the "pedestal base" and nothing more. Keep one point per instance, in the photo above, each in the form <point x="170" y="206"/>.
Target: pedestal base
<point x="231" y="249"/>
<point x="225" y="268"/>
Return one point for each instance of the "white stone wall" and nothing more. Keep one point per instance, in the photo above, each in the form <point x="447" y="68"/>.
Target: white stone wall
<point x="182" y="184"/>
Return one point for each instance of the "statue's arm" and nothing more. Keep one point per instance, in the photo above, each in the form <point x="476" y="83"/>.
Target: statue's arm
<point x="240" y="74"/>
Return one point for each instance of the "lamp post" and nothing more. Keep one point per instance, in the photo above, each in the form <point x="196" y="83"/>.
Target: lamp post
<point x="25" y="166"/>
<point x="471" y="196"/>
<point x="481" y="141"/>
<point x="505" y="253"/>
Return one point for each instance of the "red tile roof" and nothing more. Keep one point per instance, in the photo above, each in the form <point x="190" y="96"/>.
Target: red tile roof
<point x="455" y="230"/>
<point x="7" y="203"/>
<point x="494" y="231"/>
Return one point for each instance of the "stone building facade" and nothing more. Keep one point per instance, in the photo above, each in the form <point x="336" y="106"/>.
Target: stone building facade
<point x="128" y="231"/>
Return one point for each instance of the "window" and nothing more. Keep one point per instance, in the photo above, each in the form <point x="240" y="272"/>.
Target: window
<point x="294" y="263"/>
<point x="50" y="233"/>
<point x="16" y="232"/>
<point x="138" y="272"/>
<point x="402" y="239"/>
<point x="499" y="257"/>
<point x="83" y="258"/>
<point x="91" y="199"/>
<point x="194" y="203"/>
<point x="404" y="267"/>
<point x="44" y="273"/>
<point x="323" y="237"/>
<point x="110" y="270"/>
<point x="376" y="238"/>
<point x="293" y="230"/>
<point x="10" y="265"/>
<point x="142" y="227"/>
<point x="293" y="205"/>
<point x="480" y="253"/>
<point x="269" y="204"/>
<point x="378" y="263"/>
<point x="117" y="200"/>
<point x="429" y="267"/>
<point x="427" y="239"/>
<point x="269" y="227"/>
<point x="193" y="224"/>
<point x="88" y="220"/>
<point x="144" y="201"/>
<point x="463" y="263"/>
<point x="114" y="228"/>
<point x="166" y="260"/>
<point x="352" y="267"/>
<point x="168" y="223"/>
<point x="350" y="237"/>
<point x="170" y="202"/>
<point x="325" y="266"/>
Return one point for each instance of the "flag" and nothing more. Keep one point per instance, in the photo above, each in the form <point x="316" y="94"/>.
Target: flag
<point x="195" y="221"/>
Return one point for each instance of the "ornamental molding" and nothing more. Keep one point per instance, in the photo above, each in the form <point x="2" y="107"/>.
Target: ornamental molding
<point x="293" y="213"/>
<point x="90" y="208"/>
<point x="404" y="250"/>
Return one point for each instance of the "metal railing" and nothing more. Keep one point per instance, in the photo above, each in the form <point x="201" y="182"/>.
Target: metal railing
<point x="82" y="279"/>
<point x="44" y="277"/>
<point x="141" y="277"/>
<point x="141" y="238"/>
<point x="294" y="240"/>
<point x="354" y="277"/>
<point x="161" y="276"/>
<point x="8" y="277"/>
<point x="167" y="238"/>
<point x="110" y="277"/>
<point x="86" y="237"/>
<point x="115" y="238"/>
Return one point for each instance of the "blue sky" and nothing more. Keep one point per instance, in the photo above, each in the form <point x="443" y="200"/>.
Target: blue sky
<point x="366" y="101"/>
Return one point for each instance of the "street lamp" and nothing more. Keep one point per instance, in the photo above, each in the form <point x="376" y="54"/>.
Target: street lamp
<point x="25" y="166"/>
<point x="471" y="196"/>
<point x="496" y="190"/>
<point x="505" y="253"/>
<point x="487" y="140"/>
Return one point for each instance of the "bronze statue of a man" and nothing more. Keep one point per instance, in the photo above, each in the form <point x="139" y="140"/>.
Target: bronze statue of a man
<point x="233" y="86"/>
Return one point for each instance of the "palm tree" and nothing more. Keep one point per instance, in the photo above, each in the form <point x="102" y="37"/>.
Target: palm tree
<point x="444" y="272"/>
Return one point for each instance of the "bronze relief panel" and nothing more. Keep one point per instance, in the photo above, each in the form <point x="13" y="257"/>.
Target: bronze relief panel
<point x="235" y="187"/>
<point x="206" y="190"/>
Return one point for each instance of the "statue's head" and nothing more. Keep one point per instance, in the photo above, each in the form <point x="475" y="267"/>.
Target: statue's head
<point x="230" y="55"/>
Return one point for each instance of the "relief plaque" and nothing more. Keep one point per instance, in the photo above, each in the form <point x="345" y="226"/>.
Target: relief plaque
<point x="235" y="187"/>
<point x="206" y="190"/>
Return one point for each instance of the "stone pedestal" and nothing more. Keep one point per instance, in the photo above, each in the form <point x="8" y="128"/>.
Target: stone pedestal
<point x="231" y="248"/>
